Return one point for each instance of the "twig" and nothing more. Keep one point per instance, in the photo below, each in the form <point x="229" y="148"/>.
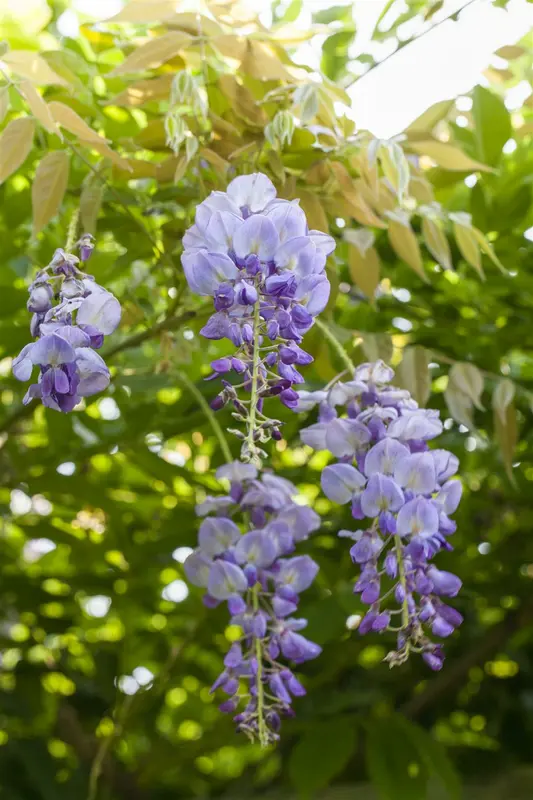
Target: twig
<point x="454" y="674"/>
<point x="209" y="413"/>
<point x="335" y="343"/>
<point x="414" y="39"/>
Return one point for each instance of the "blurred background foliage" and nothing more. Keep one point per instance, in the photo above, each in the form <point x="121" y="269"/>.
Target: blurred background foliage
<point x="106" y="654"/>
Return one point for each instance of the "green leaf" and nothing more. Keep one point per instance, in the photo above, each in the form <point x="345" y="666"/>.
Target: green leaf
<point x="393" y="763"/>
<point x="321" y="754"/>
<point x="492" y="125"/>
<point x="402" y="758"/>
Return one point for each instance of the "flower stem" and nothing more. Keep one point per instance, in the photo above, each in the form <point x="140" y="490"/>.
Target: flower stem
<point x="249" y="445"/>
<point x="334" y="342"/>
<point x="403" y="582"/>
<point x="213" y="421"/>
<point x="263" y="737"/>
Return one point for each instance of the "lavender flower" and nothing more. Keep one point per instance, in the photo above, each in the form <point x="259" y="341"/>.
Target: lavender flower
<point x="67" y="332"/>
<point x="389" y="474"/>
<point x="254" y="254"/>
<point x="260" y="580"/>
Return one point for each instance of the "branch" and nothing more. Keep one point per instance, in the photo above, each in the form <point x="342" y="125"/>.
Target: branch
<point x="168" y="324"/>
<point x="452" y="676"/>
<point x="70" y="729"/>
<point x="420" y="35"/>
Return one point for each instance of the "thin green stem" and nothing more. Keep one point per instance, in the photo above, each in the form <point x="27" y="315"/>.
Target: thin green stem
<point x="403" y="581"/>
<point x="105" y="746"/>
<point x="250" y="434"/>
<point x="262" y="731"/>
<point x="209" y="413"/>
<point x="336" y="345"/>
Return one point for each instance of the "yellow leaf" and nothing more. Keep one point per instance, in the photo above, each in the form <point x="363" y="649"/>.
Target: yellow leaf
<point x="32" y="66"/>
<point x="141" y="92"/>
<point x="467" y="244"/>
<point x="231" y="46"/>
<point x="502" y="397"/>
<point x="360" y="211"/>
<point x="413" y="373"/>
<point x="181" y="168"/>
<point x="101" y="146"/>
<point x="138" y="168"/>
<point x="433" y="115"/>
<point x="507" y="435"/>
<point x="71" y="121"/>
<point x="316" y="216"/>
<point x="49" y="187"/>
<point x="510" y="51"/>
<point x="364" y="269"/>
<point x="15" y="143"/>
<point x="436" y="242"/>
<point x="421" y="190"/>
<point x="155" y="52"/>
<point x="90" y="203"/>
<point x="145" y="11"/>
<point x="261" y="63"/>
<point x="39" y="108"/>
<point x="242" y="101"/>
<point x="405" y="245"/>
<point x="469" y="380"/>
<point x="447" y="156"/>
<point x="195" y="24"/>
<point x="488" y="250"/>
<point x="220" y="164"/>
<point x="4" y="102"/>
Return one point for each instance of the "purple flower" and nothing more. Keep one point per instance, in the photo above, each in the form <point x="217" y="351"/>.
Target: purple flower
<point x="393" y="478"/>
<point x="69" y="369"/>
<point x="253" y="254"/>
<point x="261" y="586"/>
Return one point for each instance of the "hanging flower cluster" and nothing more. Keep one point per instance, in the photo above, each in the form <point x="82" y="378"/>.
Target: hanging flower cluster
<point x="255" y="256"/>
<point x="260" y="579"/>
<point x="71" y="316"/>
<point x="402" y="488"/>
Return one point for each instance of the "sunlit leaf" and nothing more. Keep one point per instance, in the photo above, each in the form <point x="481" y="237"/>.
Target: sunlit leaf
<point x="405" y="245"/>
<point x="395" y="167"/>
<point x="414" y="374"/>
<point x="71" y="121"/>
<point x="32" y="66"/>
<point x="39" y="108"/>
<point x="154" y="53"/>
<point x="467" y="242"/>
<point x="430" y="118"/>
<point x="447" y="156"/>
<point x="436" y="242"/>
<point x="492" y="125"/>
<point x="49" y="187"/>
<point x="365" y="268"/>
<point x="15" y="144"/>
<point x="145" y="11"/>
<point x="4" y="102"/>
